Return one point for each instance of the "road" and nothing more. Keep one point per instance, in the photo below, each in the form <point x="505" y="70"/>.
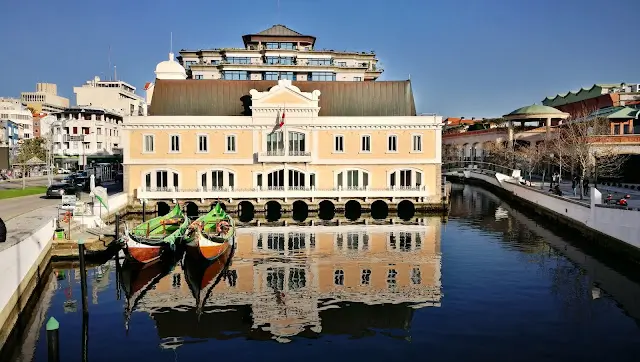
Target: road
<point x="10" y="208"/>
<point x="30" y="182"/>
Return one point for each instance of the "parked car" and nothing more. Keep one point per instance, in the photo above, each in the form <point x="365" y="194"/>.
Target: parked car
<point x="58" y="190"/>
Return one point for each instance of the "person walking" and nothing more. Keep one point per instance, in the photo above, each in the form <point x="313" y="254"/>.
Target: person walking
<point x="585" y="186"/>
<point x="574" y="185"/>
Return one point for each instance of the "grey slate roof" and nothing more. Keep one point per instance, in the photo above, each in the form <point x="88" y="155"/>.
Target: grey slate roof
<point x="192" y="97"/>
<point x="279" y="30"/>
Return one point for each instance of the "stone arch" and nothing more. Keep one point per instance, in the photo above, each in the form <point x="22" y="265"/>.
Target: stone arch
<point x="162" y="208"/>
<point x="352" y="210"/>
<point x="326" y="210"/>
<point x="300" y="210"/>
<point x="191" y="209"/>
<point x="273" y="210"/>
<point x="406" y="210"/>
<point x="246" y="211"/>
<point x="379" y="209"/>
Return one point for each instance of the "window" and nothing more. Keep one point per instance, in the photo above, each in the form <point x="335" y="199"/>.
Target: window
<point x="312" y="180"/>
<point x="162" y="179"/>
<point x="338" y="144"/>
<point x="203" y="143"/>
<point x="365" y="144"/>
<point x="175" y="143"/>
<point x="287" y="46"/>
<point x="280" y="60"/>
<point x="341" y="64"/>
<point x="279" y="75"/>
<point x="366" y="277"/>
<point x="176" y="184"/>
<point x="323" y="76"/>
<point x="355" y="179"/>
<point x="239" y="60"/>
<point x="231" y="144"/>
<point x="275" y="143"/>
<point x="275" y="179"/>
<point x="217" y="179"/>
<point x="391" y="278"/>
<point x="416" y="277"/>
<point x="319" y="62"/>
<point x="199" y="76"/>
<point x="338" y="277"/>
<point x="232" y="180"/>
<point x="392" y="143"/>
<point x="357" y="79"/>
<point x="417" y="143"/>
<point x="405" y="178"/>
<point x="297" y="278"/>
<point x="296" y="143"/>
<point x="234" y="75"/>
<point x="296" y="179"/>
<point x="147" y="181"/>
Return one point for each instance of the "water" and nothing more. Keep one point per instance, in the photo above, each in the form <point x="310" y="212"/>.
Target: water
<point x="490" y="284"/>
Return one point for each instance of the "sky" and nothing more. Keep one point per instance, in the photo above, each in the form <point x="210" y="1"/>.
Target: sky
<point x="471" y="58"/>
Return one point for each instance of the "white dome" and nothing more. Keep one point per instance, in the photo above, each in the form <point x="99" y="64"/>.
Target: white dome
<point x="170" y="69"/>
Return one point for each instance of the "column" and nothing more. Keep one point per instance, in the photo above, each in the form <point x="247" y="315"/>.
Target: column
<point x="612" y="128"/>
<point x="286" y="177"/>
<point x="621" y="130"/>
<point x="631" y="126"/>
<point x="548" y="127"/>
<point x="510" y="134"/>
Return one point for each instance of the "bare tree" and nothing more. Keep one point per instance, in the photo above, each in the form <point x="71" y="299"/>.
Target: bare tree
<point x="451" y="153"/>
<point x="529" y="158"/>
<point x="574" y="141"/>
<point x="499" y="153"/>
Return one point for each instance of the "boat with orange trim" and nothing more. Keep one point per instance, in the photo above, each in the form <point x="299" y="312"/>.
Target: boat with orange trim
<point x="211" y="235"/>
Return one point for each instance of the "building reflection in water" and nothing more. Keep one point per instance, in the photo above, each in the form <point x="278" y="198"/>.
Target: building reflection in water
<point x="286" y="282"/>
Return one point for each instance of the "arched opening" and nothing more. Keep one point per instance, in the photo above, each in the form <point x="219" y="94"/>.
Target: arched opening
<point x="273" y="211"/>
<point x="326" y="210"/>
<point x="192" y="210"/>
<point x="352" y="210"/>
<point x="300" y="211"/>
<point x="163" y="208"/>
<point x="352" y="179"/>
<point x="213" y="180"/>
<point x="161" y="180"/>
<point x="246" y="211"/>
<point x="223" y="206"/>
<point x="379" y="210"/>
<point x="406" y="210"/>
<point x="405" y="179"/>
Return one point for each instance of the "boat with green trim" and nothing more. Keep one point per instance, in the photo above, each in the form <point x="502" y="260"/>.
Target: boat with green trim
<point x="210" y="235"/>
<point x="146" y="242"/>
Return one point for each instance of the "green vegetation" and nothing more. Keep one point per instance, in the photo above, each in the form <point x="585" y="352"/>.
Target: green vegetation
<point x="11" y="193"/>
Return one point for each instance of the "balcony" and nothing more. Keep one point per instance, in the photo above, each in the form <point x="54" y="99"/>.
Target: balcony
<point x="280" y="156"/>
<point x="258" y="193"/>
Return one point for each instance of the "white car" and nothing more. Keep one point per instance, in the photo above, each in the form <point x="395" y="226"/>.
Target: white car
<point x="63" y="170"/>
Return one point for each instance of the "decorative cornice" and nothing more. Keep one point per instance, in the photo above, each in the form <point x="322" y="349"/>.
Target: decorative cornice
<point x="262" y="127"/>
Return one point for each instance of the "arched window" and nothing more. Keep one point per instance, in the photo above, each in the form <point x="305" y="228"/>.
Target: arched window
<point x="217" y="180"/>
<point x="352" y="179"/>
<point x="405" y="179"/>
<point x="161" y="180"/>
<point x="278" y="179"/>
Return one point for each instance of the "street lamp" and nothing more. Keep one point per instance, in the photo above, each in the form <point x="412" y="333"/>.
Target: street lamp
<point x="51" y="121"/>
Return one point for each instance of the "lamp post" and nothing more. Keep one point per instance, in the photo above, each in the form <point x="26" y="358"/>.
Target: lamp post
<point x="51" y="121"/>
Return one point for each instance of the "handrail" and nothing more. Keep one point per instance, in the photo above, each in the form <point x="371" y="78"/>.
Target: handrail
<point x="481" y="165"/>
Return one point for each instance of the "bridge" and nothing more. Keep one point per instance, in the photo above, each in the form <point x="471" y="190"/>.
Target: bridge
<point x="464" y="168"/>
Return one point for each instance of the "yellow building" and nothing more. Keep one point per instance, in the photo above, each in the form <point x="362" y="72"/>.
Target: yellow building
<point x="290" y="276"/>
<point x="208" y="140"/>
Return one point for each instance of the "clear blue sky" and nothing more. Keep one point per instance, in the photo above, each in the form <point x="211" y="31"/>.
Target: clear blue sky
<point x="467" y="58"/>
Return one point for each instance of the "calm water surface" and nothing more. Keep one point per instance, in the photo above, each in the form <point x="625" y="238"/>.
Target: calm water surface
<point x="488" y="285"/>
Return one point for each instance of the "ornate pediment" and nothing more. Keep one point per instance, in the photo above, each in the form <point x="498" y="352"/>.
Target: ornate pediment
<point x="284" y="95"/>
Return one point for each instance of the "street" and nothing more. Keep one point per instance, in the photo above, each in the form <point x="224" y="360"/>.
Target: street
<point x="10" y="208"/>
<point x="30" y="182"/>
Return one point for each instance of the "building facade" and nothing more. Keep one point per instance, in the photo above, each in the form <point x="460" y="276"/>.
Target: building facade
<point x="116" y="96"/>
<point x="80" y="136"/>
<point x="598" y="96"/>
<point x="14" y="111"/>
<point x="45" y="99"/>
<point x="261" y="140"/>
<point x="280" y="53"/>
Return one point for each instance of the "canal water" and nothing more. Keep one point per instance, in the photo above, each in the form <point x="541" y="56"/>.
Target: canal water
<point x="489" y="284"/>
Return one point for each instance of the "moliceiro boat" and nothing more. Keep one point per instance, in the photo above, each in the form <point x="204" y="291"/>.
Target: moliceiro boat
<point x="146" y="242"/>
<point x="210" y="235"/>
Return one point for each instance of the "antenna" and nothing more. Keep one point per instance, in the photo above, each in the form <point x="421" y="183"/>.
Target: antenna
<point x="278" y="12"/>
<point x="109" y="58"/>
<point x="115" y="73"/>
<point x="171" y="43"/>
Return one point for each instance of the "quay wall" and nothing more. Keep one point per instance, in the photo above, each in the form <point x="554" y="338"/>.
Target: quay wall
<point x="613" y="227"/>
<point x="22" y="266"/>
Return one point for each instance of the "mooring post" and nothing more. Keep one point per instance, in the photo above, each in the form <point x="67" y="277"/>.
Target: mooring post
<point x="117" y="226"/>
<point x="144" y="210"/>
<point x="83" y="276"/>
<point x="85" y="336"/>
<point x="53" y="341"/>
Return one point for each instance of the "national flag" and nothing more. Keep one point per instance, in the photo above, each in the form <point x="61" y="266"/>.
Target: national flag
<point x="101" y="194"/>
<point x="281" y="120"/>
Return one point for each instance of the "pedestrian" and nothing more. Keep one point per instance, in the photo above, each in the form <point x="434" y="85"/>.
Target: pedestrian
<point x="585" y="186"/>
<point x="3" y="231"/>
<point x="574" y="185"/>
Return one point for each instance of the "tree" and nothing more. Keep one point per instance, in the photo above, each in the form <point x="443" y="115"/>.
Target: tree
<point x="499" y="153"/>
<point x="29" y="149"/>
<point x="529" y="158"/>
<point x="451" y="153"/>
<point x="572" y="141"/>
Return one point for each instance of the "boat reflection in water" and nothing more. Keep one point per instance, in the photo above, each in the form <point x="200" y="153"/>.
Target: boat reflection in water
<point x="306" y="281"/>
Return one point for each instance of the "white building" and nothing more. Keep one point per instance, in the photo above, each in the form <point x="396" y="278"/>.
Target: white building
<point x="280" y="53"/>
<point x="117" y="96"/>
<point x="12" y="110"/>
<point x="82" y="135"/>
<point x="45" y="99"/>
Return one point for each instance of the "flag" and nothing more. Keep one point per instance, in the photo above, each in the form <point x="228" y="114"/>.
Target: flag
<point x="279" y="121"/>
<point x="101" y="194"/>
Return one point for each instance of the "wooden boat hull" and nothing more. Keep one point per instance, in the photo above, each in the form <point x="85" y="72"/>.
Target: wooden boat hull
<point x="203" y="275"/>
<point x="200" y="246"/>
<point x="142" y="253"/>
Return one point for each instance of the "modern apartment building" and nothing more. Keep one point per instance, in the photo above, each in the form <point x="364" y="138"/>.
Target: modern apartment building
<point x="82" y="135"/>
<point x="280" y="53"/>
<point x="116" y="96"/>
<point x="12" y="110"/>
<point x="45" y="99"/>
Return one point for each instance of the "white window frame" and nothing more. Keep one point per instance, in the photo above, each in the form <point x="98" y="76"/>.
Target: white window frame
<point x="171" y="143"/>
<point x="362" y="138"/>
<point x="144" y="143"/>
<point x="335" y="139"/>
<point x="227" y="138"/>
<point x="420" y="143"/>
<point x="389" y="136"/>
<point x="206" y="142"/>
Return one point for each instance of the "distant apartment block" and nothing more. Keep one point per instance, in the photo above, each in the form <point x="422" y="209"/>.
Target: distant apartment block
<point x="12" y="110"/>
<point x="114" y="95"/>
<point x="280" y="53"/>
<point x="45" y="99"/>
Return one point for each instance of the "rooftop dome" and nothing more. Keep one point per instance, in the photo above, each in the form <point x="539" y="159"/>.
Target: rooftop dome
<point x="534" y="109"/>
<point x="170" y="69"/>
